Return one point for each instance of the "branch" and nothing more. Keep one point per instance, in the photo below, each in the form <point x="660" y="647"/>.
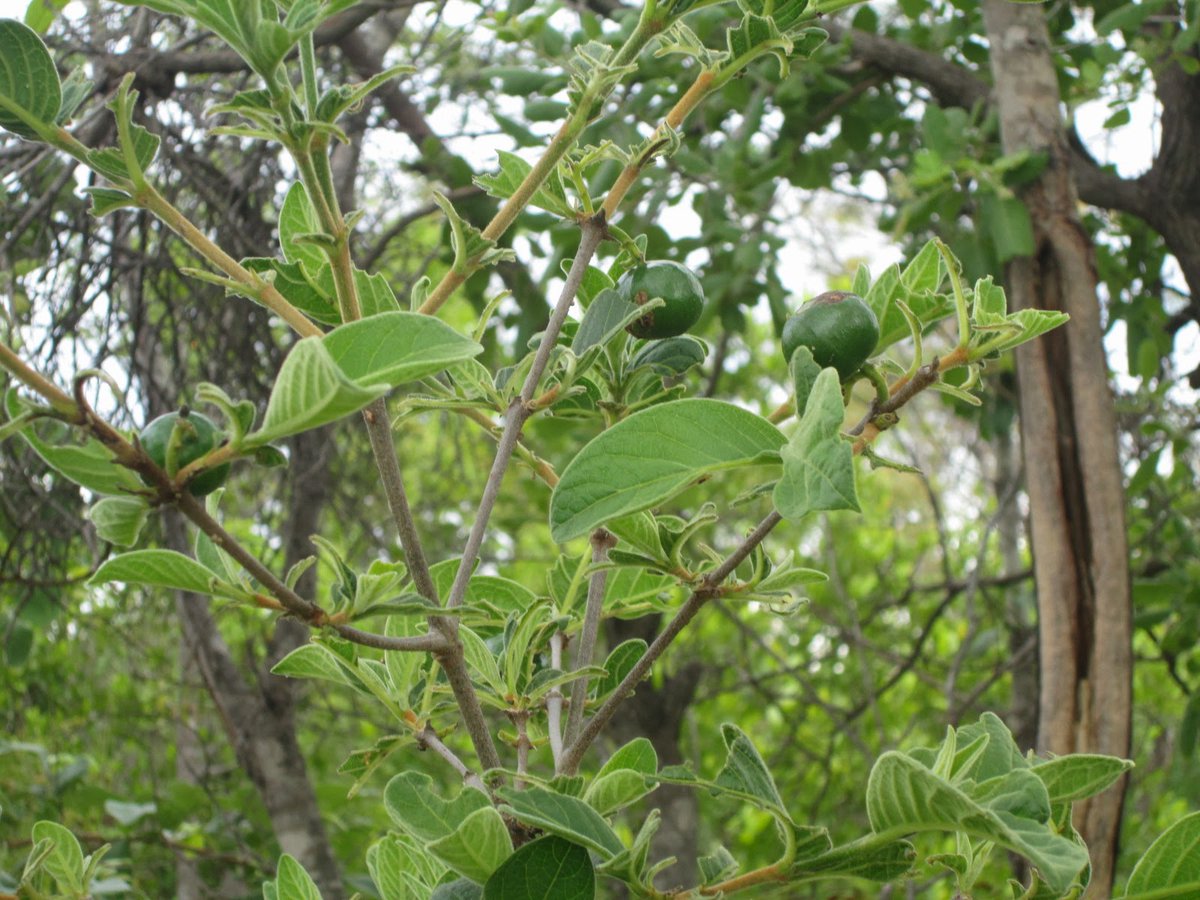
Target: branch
<point x="602" y="541"/>
<point x="708" y="588"/>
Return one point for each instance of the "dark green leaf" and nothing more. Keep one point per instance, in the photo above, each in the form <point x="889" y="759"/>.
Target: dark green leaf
<point x="549" y="868"/>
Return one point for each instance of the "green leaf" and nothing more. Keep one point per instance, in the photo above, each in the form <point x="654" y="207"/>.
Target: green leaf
<point x="480" y="660"/>
<point x="65" y="861"/>
<point x="818" y="464"/>
<point x="375" y="294"/>
<point x="903" y="796"/>
<point x="1172" y="861"/>
<point x="159" y="568"/>
<point x="1008" y="224"/>
<point x="397" y="869"/>
<point x="106" y="200"/>
<point x="866" y="859"/>
<point x="745" y="773"/>
<point x="119" y="520"/>
<point x="804" y="371"/>
<point x="459" y="889"/>
<point x="620" y="662"/>
<point x="29" y="81"/>
<point x="310" y="390"/>
<point x="110" y="161"/>
<point x="550" y="196"/>
<point x="471" y="249"/>
<point x="1080" y="775"/>
<point x="89" y="465"/>
<point x="617" y="789"/>
<point x="313" y="661"/>
<point x="296" y="219"/>
<point x="568" y="817"/>
<point x="652" y="456"/>
<point x="477" y="847"/>
<point x="128" y="813"/>
<point x="40" y="14"/>
<point x="292" y="882"/>
<point x="309" y="290"/>
<point x="549" y="868"/>
<point x="607" y="315"/>
<point x="418" y="809"/>
<point x="394" y="347"/>
<point x="671" y="356"/>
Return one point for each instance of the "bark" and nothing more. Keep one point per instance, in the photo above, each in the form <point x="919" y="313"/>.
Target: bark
<point x="1069" y="432"/>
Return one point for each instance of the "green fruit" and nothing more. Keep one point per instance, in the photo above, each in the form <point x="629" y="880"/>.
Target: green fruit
<point x="676" y="285"/>
<point x="198" y="436"/>
<point x="838" y="327"/>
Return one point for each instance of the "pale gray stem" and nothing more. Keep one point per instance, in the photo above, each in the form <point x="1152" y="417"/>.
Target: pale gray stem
<point x="429" y="740"/>
<point x="602" y="541"/>
<point x="554" y="701"/>
<point x="520" y="410"/>
<point x="709" y="588"/>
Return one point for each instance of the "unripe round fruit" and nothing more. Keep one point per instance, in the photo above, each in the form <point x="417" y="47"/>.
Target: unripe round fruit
<point x="199" y="436"/>
<point x="838" y="327"/>
<point x="679" y="288"/>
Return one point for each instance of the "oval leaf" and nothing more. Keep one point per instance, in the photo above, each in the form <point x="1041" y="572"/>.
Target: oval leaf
<point x="652" y="456"/>
<point x="160" y="568"/>
<point x="28" y="80"/>
<point x="549" y="868"/>
<point x="394" y="347"/>
<point x="1173" y="861"/>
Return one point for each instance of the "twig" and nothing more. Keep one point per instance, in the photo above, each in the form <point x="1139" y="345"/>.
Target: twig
<point x="519" y="411"/>
<point x="602" y="541"/>
<point x="554" y="701"/>
<point x="429" y="740"/>
<point x="709" y="588"/>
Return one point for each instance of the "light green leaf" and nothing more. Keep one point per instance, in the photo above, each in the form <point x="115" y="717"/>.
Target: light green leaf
<point x="652" y="456"/>
<point x="40" y="14"/>
<point x="745" y="773"/>
<point x="568" y="817"/>
<point x="119" y="520"/>
<point x="477" y="847"/>
<point x="619" y="663"/>
<point x="550" y="196"/>
<point x="310" y="390"/>
<point x="106" y="200"/>
<point x="480" y="660"/>
<point x="471" y="249"/>
<point x="903" y="796"/>
<point x="818" y="464"/>
<point x="296" y="219"/>
<point x="65" y="862"/>
<point x="605" y="317"/>
<point x="418" y="809"/>
<point x="128" y="813"/>
<point x="399" y="870"/>
<point x="1008" y="224"/>
<point x="110" y="161"/>
<point x="394" y="347"/>
<point x="616" y="789"/>
<point x="549" y="868"/>
<point x="1080" y="775"/>
<point x="159" y="568"/>
<point x="314" y="661"/>
<point x="1172" y="861"/>
<point x="804" y="371"/>
<point x="28" y="80"/>
<point x="292" y="882"/>
<point x="309" y="290"/>
<point x="375" y="294"/>
<point x="866" y="859"/>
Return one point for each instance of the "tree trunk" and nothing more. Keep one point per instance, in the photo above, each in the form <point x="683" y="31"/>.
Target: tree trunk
<point x="1068" y="428"/>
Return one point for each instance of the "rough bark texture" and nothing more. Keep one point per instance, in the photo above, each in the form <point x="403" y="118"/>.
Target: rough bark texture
<point x="1069" y="431"/>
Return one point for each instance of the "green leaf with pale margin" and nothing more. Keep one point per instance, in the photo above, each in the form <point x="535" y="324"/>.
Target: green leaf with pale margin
<point x="375" y="294"/>
<point x="549" y="868"/>
<point x="311" y="390"/>
<point x="480" y="660"/>
<point x="620" y="662"/>
<point x="1172" y="861"/>
<point x="313" y="661"/>
<point x="110" y="161"/>
<point x="652" y="456"/>
<point x="818" y="464"/>
<point x="568" y="817"/>
<point x="414" y="805"/>
<point x="671" y="356"/>
<point x="159" y="568"/>
<point x="607" y="315"/>
<point x="551" y="196"/>
<point x="804" y="371"/>
<point x="624" y="777"/>
<point x="394" y="347"/>
<point x="292" y="882"/>
<point x="296" y="219"/>
<point x="89" y="465"/>
<point x="401" y="871"/>
<point x="28" y="80"/>
<point x="865" y="859"/>
<point x="64" y="862"/>
<point x="106" y="200"/>
<point x="119" y="520"/>
<point x="310" y="291"/>
<point x="471" y="249"/>
<point x="716" y="867"/>
<point x="477" y="847"/>
<point x="1080" y="775"/>
<point x="745" y="773"/>
<point x="903" y="796"/>
<point x="999" y="755"/>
